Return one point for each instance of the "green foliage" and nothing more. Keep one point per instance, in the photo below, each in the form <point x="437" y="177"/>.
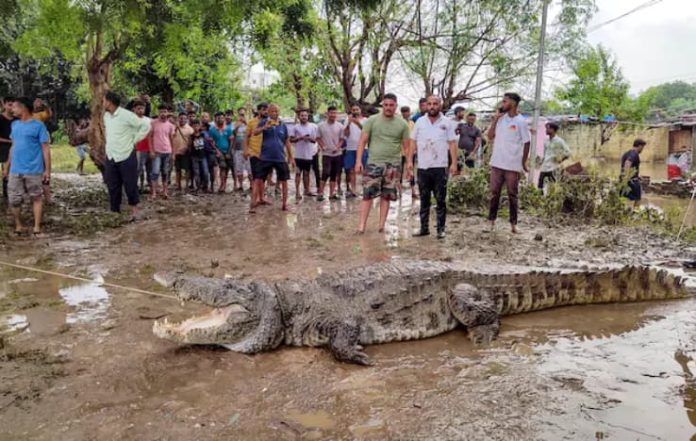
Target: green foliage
<point x="671" y="99"/>
<point x="597" y="87"/>
<point x="469" y="192"/>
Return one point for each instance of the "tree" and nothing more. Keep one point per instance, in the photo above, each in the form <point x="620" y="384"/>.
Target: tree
<point x="597" y="88"/>
<point x="179" y="39"/>
<point x="469" y="50"/>
<point x="671" y="99"/>
<point x="358" y="41"/>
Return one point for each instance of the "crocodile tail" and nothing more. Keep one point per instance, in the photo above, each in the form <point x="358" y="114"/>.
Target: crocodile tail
<point x="532" y="291"/>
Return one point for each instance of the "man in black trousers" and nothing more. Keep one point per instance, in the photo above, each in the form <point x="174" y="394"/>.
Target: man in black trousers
<point x="434" y="139"/>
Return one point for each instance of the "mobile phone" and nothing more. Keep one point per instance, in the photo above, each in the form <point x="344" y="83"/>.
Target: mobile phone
<point x="46" y="182"/>
<point x="500" y="109"/>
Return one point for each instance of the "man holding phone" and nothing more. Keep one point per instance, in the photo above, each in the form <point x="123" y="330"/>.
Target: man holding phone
<point x="304" y="136"/>
<point x="351" y="131"/>
<point x="511" y="137"/>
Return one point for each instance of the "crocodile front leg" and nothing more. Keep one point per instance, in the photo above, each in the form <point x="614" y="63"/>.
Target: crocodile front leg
<point x="344" y="342"/>
<point x="476" y="310"/>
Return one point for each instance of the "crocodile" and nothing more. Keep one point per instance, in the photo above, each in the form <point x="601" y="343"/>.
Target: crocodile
<point x="392" y="301"/>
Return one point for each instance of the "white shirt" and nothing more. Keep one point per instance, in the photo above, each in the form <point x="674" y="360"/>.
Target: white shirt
<point x="354" y="134"/>
<point x="510" y="136"/>
<point x="432" y="141"/>
<point x="331" y="135"/>
<point x="305" y="149"/>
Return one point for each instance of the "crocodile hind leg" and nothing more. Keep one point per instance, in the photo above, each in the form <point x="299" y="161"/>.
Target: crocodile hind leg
<point x="344" y="343"/>
<point x="474" y="308"/>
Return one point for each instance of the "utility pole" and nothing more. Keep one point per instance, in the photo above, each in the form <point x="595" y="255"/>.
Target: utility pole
<point x="537" y="92"/>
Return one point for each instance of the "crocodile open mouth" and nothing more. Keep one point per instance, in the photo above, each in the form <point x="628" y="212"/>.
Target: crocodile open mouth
<point x="203" y="329"/>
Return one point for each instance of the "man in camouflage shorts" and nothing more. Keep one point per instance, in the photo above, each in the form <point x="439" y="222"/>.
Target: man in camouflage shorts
<point x="388" y="138"/>
<point x="381" y="180"/>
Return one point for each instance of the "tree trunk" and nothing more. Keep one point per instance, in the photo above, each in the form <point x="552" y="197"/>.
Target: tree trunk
<point x="98" y="72"/>
<point x="168" y="94"/>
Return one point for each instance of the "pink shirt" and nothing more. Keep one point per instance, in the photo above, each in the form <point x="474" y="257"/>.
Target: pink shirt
<point x="161" y="136"/>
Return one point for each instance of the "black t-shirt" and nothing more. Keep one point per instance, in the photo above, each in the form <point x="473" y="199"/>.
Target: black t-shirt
<point x="634" y="157"/>
<point x="5" y="128"/>
<point x="198" y="149"/>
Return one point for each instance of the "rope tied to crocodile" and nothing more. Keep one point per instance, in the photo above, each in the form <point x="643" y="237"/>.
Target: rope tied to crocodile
<point x="87" y="280"/>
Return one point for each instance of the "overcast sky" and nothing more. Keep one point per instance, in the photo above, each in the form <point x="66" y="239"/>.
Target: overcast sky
<point x="653" y="45"/>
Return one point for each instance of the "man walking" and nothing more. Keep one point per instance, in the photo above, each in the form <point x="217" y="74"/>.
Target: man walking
<point x="161" y="141"/>
<point x="330" y="144"/>
<point x="555" y="151"/>
<point x="510" y="153"/>
<point x="630" y="170"/>
<point x="469" y="140"/>
<point x="223" y="136"/>
<point x="182" y="154"/>
<point x="6" y="119"/>
<point x="29" y="167"/>
<point x="276" y="151"/>
<point x="388" y="138"/>
<point x="122" y="130"/>
<point x="304" y="136"/>
<point x="351" y="132"/>
<point x="434" y="138"/>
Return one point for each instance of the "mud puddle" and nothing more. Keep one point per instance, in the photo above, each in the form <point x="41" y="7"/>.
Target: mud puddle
<point x="622" y="371"/>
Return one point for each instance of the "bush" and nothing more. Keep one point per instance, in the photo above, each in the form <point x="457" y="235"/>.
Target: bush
<point x="468" y="192"/>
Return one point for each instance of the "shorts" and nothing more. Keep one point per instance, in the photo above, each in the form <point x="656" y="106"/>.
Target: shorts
<point x="633" y="192"/>
<point x="381" y="180"/>
<point x="20" y="185"/>
<point x="349" y="159"/>
<point x="212" y="160"/>
<point x="182" y="162"/>
<point x="331" y="167"/>
<point x="4" y="152"/>
<point x="303" y="165"/>
<point x="226" y="162"/>
<point x="241" y="164"/>
<point x="81" y="151"/>
<point x="281" y="168"/>
<point x="256" y="170"/>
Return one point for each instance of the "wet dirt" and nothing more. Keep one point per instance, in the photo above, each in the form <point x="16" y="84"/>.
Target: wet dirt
<point x="595" y="372"/>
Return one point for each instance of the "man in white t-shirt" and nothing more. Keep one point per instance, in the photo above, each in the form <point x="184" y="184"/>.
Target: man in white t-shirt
<point x="510" y="153"/>
<point x="331" y="145"/>
<point x="351" y="130"/>
<point x="434" y="139"/>
<point x="304" y="136"/>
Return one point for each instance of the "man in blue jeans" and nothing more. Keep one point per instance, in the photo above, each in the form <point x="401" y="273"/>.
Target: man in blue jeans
<point x="122" y="129"/>
<point x="29" y="163"/>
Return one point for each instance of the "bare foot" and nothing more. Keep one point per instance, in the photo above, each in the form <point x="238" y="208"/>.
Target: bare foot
<point x="264" y="202"/>
<point x="514" y="229"/>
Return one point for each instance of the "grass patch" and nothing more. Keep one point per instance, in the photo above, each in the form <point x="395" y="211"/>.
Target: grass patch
<point x="64" y="159"/>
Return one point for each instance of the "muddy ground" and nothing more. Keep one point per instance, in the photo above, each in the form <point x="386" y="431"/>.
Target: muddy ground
<point x="78" y="361"/>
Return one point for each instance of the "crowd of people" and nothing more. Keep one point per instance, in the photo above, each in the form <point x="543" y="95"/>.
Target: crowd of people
<point x="386" y="149"/>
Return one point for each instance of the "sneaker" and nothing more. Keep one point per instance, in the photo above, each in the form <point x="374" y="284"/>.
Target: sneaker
<point x="350" y="195"/>
<point x="422" y="233"/>
<point x="441" y="234"/>
<point x="320" y="198"/>
<point x="339" y="192"/>
<point x="334" y="198"/>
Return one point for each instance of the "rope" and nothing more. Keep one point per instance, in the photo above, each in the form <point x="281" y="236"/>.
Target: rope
<point x="84" y="279"/>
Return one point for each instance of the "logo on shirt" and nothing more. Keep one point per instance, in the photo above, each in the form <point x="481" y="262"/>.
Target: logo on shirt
<point x="443" y="127"/>
<point x="513" y="127"/>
